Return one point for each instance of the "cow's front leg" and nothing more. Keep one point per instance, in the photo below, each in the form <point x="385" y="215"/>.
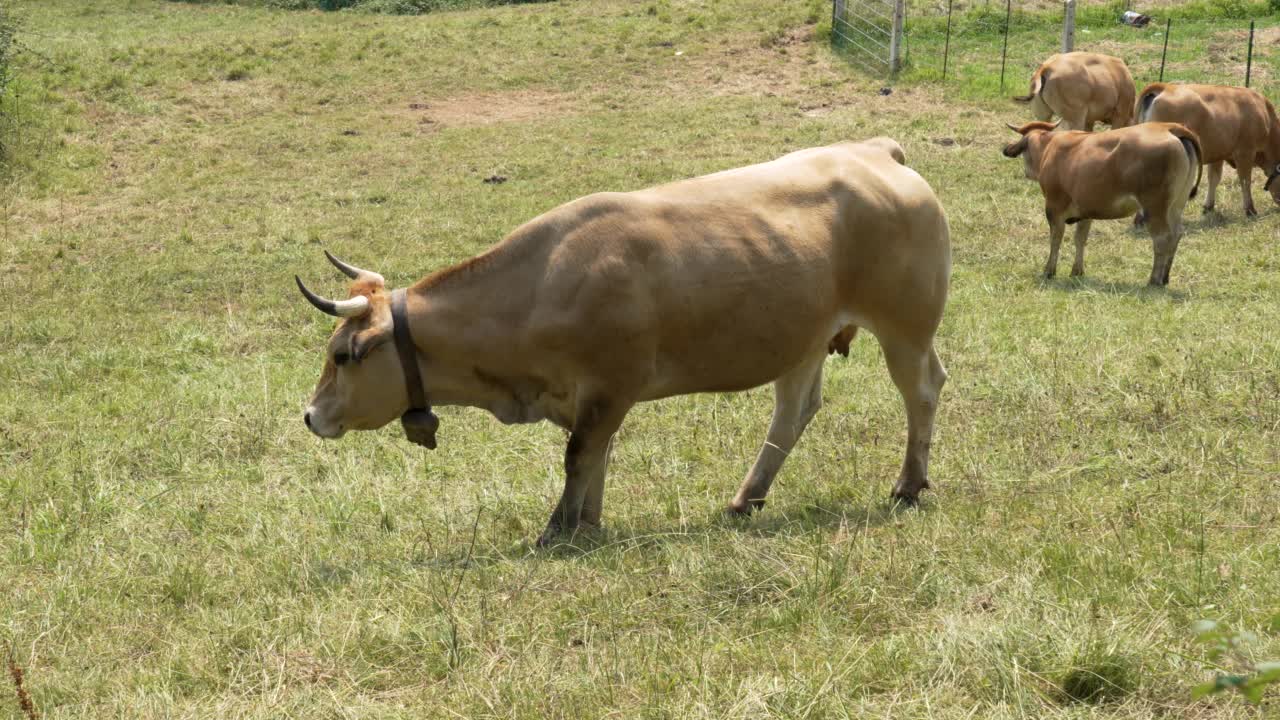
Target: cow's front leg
<point x="1057" y="228"/>
<point x="1082" y="235"/>
<point x="585" y="461"/>
<point x="1215" y="177"/>
<point x="797" y="398"/>
<point x="1244" y="170"/>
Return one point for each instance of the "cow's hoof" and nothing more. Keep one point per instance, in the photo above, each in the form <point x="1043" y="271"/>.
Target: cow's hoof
<point x="1250" y="212"/>
<point x="742" y="510"/>
<point x="1077" y="273"/>
<point x="1048" y="274"/>
<point x="1207" y="209"/>
<point x="904" y="500"/>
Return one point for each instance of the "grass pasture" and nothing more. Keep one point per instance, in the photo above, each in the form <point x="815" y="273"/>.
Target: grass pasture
<point x="174" y="543"/>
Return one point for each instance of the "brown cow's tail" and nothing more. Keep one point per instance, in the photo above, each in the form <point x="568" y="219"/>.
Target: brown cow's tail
<point x="1190" y="143"/>
<point x="1038" y="80"/>
<point x="1147" y="99"/>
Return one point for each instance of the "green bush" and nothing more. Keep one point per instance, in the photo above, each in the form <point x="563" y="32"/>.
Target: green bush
<point x="1234" y="670"/>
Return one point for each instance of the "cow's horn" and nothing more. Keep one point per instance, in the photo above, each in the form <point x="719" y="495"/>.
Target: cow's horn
<point x="352" y="271"/>
<point x="1013" y="127"/>
<point x="352" y="307"/>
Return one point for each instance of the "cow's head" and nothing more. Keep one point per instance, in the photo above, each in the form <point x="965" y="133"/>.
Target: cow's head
<point x="362" y="385"/>
<point x="1273" y="183"/>
<point x="1031" y="146"/>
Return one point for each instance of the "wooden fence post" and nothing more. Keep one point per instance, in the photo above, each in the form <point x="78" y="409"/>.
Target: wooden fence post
<point x="895" y="39"/>
<point x="1069" y="26"/>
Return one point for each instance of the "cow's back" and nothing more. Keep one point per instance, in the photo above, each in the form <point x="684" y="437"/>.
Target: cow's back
<point x="1225" y="118"/>
<point x="779" y="255"/>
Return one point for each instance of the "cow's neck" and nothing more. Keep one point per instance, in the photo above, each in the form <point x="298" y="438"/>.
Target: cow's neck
<point x="468" y="322"/>
<point x="473" y="306"/>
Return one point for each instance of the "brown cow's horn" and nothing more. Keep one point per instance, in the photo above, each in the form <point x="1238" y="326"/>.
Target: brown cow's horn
<point x="1013" y="127"/>
<point x="352" y="271"/>
<point x="352" y="307"/>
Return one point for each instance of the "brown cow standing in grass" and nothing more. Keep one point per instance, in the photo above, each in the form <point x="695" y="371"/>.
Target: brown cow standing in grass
<point x="715" y="284"/>
<point x="1086" y="176"/>
<point x="1235" y="125"/>
<point x="1083" y="89"/>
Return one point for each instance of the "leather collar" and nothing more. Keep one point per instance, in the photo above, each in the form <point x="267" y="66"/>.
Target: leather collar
<point x="419" y="422"/>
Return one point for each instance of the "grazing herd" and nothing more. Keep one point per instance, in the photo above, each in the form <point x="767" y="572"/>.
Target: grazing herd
<point x="744" y="277"/>
<point x="1153" y="167"/>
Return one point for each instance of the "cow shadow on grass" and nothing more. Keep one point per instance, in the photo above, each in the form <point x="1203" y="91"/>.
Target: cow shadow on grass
<point x="1090" y="283"/>
<point x="774" y="521"/>
<point x="484" y="547"/>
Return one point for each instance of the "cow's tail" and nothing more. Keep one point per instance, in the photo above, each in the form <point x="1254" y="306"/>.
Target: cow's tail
<point x="1191" y="144"/>
<point x="1147" y="99"/>
<point x="1038" y="80"/>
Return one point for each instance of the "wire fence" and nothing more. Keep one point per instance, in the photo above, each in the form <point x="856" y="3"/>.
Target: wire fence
<point x="870" y="31"/>
<point x="995" y="45"/>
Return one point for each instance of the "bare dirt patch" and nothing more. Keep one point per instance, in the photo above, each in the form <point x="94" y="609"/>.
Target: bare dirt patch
<point x="487" y="108"/>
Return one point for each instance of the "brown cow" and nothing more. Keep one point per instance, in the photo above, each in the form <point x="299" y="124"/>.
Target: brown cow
<point x="1102" y="176"/>
<point x="1235" y="125"/>
<point x="1083" y="89"/>
<point x="716" y="284"/>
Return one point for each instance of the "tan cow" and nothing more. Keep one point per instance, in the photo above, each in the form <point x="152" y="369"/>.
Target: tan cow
<point x="1083" y="89"/>
<point x="716" y="284"/>
<point x="1086" y="176"/>
<point x="1235" y="125"/>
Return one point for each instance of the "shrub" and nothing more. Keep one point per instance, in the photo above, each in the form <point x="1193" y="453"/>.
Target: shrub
<point x="1225" y="649"/>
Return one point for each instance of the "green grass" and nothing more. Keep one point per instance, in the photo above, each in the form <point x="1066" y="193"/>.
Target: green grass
<point x="1208" y="42"/>
<point x="174" y="543"/>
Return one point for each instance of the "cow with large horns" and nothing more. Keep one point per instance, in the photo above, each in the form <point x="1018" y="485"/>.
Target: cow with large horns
<point x="720" y="283"/>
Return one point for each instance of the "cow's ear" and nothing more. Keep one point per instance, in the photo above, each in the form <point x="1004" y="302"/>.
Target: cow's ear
<point x="1016" y="149"/>
<point x="365" y="341"/>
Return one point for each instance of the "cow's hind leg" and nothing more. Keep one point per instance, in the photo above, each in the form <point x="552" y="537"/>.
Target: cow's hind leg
<point x="1166" y="233"/>
<point x="919" y="375"/>
<point x="585" y="460"/>
<point x="797" y="398"/>
<point x="1057" y="228"/>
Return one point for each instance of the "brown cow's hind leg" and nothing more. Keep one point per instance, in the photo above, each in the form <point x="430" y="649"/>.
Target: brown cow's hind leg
<point x="1056" y="230"/>
<point x="797" y="398"/>
<point x="1166" y="232"/>
<point x="919" y="375"/>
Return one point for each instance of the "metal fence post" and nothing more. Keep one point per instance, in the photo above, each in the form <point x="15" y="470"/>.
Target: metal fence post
<point x="837" y="14"/>
<point x="1004" y="53"/>
<point x="895" y="39"/>
<point x="1168" y="23"/>
<point x="1069" y="26"/>
<point x="1248" y="66"/>
<point x="946" y="48"/>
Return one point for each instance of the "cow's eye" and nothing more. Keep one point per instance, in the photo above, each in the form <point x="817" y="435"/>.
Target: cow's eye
<point x="340" y="358"/>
